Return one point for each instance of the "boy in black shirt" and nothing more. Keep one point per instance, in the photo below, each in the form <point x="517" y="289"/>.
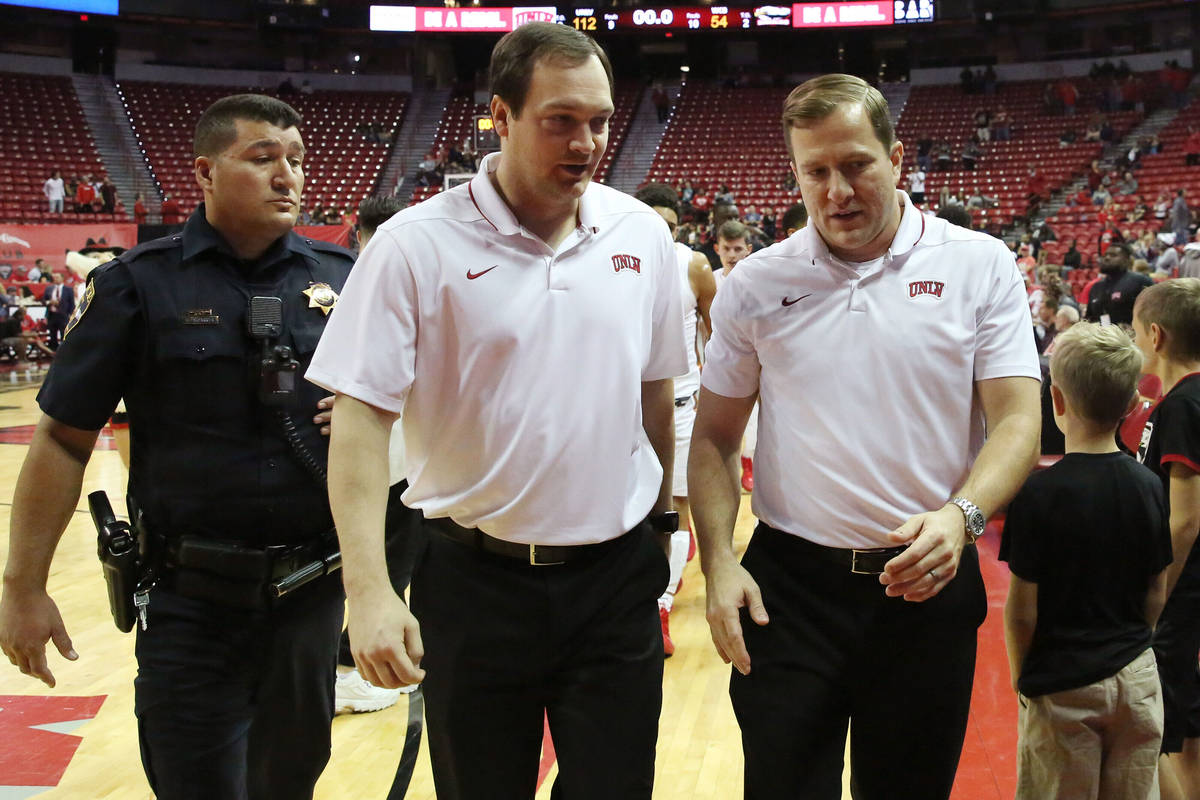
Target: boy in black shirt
<point x="1088" y="546"/>
<point x="1166" y="325"/>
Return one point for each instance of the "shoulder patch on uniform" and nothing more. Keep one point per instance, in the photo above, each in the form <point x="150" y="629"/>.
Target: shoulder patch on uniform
<point x="82" y="306"/>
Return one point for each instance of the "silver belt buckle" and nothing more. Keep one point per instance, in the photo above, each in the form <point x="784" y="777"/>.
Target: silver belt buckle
<point x="854" y="564"/>
<point x="533" y="559"/>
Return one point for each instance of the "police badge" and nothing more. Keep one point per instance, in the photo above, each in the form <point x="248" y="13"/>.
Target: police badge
<point x="322" y="296"/>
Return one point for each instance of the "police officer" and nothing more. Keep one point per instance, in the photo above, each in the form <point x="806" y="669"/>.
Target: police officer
<point x="234" y="694"/>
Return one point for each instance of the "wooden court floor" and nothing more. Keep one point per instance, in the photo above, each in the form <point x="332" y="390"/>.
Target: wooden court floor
<point x="78" y="741"/>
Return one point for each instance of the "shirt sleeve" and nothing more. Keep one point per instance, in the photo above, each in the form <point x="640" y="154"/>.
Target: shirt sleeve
<point x="98" y="354"/>
<point x="1178" y="432"/>
<point x="731" y="366"/>
<point x="1018" y="542"/>
<point x="668" y="351"/>
<point x="1004" y="346"/>
<point x="368" y="348"/>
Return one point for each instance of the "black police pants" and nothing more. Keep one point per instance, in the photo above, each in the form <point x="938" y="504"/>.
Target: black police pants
<point x="508" y="645"/>
<point x="837" y="650"/>
<point x="1176" y="643"/>
<point x="237" y="704"/>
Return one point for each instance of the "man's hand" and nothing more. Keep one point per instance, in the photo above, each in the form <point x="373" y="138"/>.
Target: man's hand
<point x="935" y="541"/>
<point x="324" y="413"/>
<point x="729" y="589"/>
<point x="28" y="619"/>
<point x="385" y="639"/>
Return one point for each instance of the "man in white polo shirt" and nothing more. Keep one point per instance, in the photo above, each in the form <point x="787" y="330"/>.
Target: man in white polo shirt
<point x="698" y="287"/>
<point x="881" y="344"/>
<point x="528" y="324"/>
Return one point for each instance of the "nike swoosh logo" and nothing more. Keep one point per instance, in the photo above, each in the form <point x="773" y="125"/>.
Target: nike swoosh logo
<point x="473" y="275"/>
<point x="787" y="302"/>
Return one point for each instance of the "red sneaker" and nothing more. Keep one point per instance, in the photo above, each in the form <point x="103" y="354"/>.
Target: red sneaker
<point x="668" y="645"/>
<point x="747" y="474"/>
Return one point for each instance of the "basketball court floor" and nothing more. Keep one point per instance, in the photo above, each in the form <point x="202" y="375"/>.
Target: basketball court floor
<point x="78" y="741"/>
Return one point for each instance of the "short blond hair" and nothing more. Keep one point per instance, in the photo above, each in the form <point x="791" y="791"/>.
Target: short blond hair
<point x="817" y="98"/>
<point x="1175" y="306"/>
<point x="1097" y="368"/>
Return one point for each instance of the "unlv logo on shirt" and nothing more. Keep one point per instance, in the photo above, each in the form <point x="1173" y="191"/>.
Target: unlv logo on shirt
<point x="621" y="262"/>
<point x="918" y="288"/>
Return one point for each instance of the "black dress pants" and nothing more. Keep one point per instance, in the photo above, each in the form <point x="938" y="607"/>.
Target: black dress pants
<point x="838" y="651"/>
<point x="507" y="643"/>
<point x="235" y="704"/>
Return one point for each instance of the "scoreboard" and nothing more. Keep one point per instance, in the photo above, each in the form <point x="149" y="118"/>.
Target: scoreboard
<point x="847" y="13"/>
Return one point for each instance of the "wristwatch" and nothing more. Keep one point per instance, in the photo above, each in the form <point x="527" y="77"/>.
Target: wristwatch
<point x="975" y="521"/>
<point x="666" y="522"/>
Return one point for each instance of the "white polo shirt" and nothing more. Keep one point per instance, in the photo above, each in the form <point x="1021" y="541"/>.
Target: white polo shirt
<point x="518" y="368"/>
<point x="689" y="384"/>
<point x="866" y="372"/>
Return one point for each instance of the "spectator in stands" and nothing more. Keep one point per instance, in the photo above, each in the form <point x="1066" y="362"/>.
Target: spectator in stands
<point x="662" y="103"/>
<point x="977" y="199"/>
<point x="1050" y="101"/>
<point x="304" y="217"/>
<point x="55" y="192"/>
<point x="966" y="79"/>
<point x="1101" y="197"/>
<point x="970" y="155"/>
<point x="1068" y="95"/>
<point x="947" y="197"/>
<point x="35" y="272"/>
<point x="15" y="333"/>
<point x="427" y="171"/>
<point x="686" y="192"/>
<point x="1111" y="298"/>
<point x="306" y="88"/>
<point x="989" y="80"/>
<point x="1043" y="325"/>
<point x="769" y="227"/>
<point x="108" y="195"/>
<point x="1072" y="259"/>
<point x="1128" y="184"/>
<point x="1143" y="246"/>
<point x="1002" y="126"/>
<point x="140" y="212"/>
<point x="1068" y="136"/>
<point x="1107" y="133"/>
<point x="171" y="212"/>
<point x="1181" y="217"/>
<point x="47" y="277"/>
<point x="85" y="196"/>
<point x="1065" y="318"/>
<point x="943" y="156"/>
<point x="1189" y="266"/>
<point x="1191" y="147"/>
<point x="1026" y="261"/>
<point x="724" y="195"/>
<point x="1168" y="260"/>
<point x="1035" y="188"/>
<point x="795" y="218"/>
<point x="1092" y="132"/>
<point x="956" y="215"/>
<point x="60" y="305"/>
<point x="983" y="124"/>
<point x="916" y="186"/>
<point x="924" y="147"/>
<point x="752" y="217"/>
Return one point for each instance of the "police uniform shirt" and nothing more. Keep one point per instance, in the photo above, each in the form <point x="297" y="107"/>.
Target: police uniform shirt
<point x="164" y="326"/>
<point x="517" y="367"/>
<point x="866" y="372"/>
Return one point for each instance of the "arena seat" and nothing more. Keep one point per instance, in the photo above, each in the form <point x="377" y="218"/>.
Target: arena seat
<point x="341" y="167"/>
<point x="43" y="129"/>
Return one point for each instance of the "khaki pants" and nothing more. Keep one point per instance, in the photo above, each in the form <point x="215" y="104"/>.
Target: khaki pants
<point x="1099" y="742"/>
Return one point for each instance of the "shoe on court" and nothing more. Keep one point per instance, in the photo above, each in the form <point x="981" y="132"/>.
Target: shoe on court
<point x="353" y="694"/>
<point x="748" y="474"/>
<point x="668" y="645"/>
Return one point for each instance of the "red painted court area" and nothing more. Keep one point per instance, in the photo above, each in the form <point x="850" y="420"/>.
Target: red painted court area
<point x="37" y="748"/>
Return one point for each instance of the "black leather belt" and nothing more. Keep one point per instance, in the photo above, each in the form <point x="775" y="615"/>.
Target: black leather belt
<point x="538" y="555"/>
<point x="860" y="561"/>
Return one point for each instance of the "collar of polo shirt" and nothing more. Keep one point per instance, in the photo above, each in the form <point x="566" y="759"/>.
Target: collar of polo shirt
<point x="912" y="228"/>
<point x="489" y="202"/>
